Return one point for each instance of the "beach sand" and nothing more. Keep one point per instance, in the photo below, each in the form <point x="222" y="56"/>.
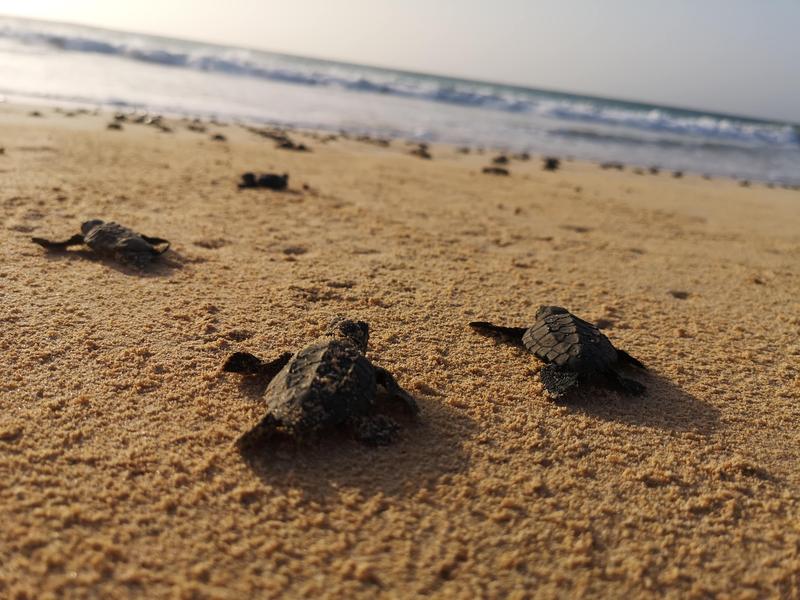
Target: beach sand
<point x="118" y="475"/>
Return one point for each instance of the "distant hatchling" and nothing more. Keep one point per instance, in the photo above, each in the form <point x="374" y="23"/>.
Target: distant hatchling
<point x="574" y="351"/>
<point x="111" y="240"/>
<point x="328" y="383"/>
<point x="271" y="181"/>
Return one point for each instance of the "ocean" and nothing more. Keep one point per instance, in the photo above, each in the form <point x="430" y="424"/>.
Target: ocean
<point x="61" y="64"/>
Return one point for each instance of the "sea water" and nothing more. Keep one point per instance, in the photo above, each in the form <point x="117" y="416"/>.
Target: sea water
<point x="67" y="64"/>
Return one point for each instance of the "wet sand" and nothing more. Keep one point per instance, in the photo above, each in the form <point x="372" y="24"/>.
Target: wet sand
<point x="118" y="474"/>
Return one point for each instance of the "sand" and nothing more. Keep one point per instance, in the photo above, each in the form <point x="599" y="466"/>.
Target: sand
<point x="119" y="478"/>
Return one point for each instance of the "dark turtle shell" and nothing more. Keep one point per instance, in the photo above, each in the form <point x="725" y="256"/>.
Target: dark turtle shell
<point x="560" y="338"/>
<point x="113" y="239"/>
<point x="323" y="385"/>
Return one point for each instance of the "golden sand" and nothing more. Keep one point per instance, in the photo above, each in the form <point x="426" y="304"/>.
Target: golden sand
<point x="117" y="473"/>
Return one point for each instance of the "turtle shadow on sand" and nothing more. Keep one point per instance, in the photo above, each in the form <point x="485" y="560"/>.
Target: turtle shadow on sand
<point x="426" y="450"/>
<point x="163" y="267"/>
<point x="663" y="406"/>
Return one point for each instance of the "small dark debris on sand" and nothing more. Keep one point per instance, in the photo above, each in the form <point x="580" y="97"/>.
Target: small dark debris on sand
<point x="282" y="139"/>
<point x="464" y="150"/>
<point x="218" y="137"/>
<point x="35" y="113"/>
<point x="654" y="170"/>
<point x="496" y="171"/>
<point x="154" y="121"/>
<point x="114" y="126"/>
<point x="577" y="228"/>
<point x="679" y="294"/>
<point x="638" y="171"/>
<point x="677" y="174"/>
<point x="522" y="156"/>
<point x="551" y="163"/>
<point x="744" y="183"/>
<point x="273" y="134"/>
<point x="422" y="151"/>
<point x="612" y="165"/>
<point x="500" y="160"/>
<point x="270" y="181"/>
<point x="380" y="142"/>
<point x="288" y="144"/>
<point x="197" y="126"/>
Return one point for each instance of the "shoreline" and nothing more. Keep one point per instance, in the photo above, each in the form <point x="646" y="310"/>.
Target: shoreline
<point x="117" y="423"/>
<point x="97" y="109"/>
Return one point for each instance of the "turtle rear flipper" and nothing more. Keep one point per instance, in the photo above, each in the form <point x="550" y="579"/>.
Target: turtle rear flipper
<point x="155" y="242"/>
<point x="248" y="364"/>
<point x="389" y="383"/>
<point x="509" y="334"/>
<point x="376" y="430"/>
<point x="625" y="385"/>
<point x="626" y="359"/>
<point x="557" y="381"/>
<point x="75" y="240"/>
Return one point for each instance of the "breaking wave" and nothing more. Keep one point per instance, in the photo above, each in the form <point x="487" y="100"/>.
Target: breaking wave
<point x="310" y="72"/>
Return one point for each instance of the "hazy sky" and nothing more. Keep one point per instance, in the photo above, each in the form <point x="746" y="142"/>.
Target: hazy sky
<point x="739" y="56"/>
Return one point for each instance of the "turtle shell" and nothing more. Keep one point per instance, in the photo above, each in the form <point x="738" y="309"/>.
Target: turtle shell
<point x="114" y="240"/>
<point x="561" y="338"/>
<point x="322" y="385"/>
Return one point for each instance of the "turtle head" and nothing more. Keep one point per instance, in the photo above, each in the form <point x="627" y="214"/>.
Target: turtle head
<point x="544" y="311"/>
<point x="356" y="332"/>
<point x="87" y="226"/>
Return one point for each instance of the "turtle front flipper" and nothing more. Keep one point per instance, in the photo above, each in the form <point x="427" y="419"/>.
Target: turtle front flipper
<point x="557" y="381"/>
<point x="248" y="364"/>
<point x="375" y="430"/>
<point x="258" y="434"/>
<point x="159" y="245"/>
<point x="625" y="385"/>
<point x="75" y="240"/>
<point x="387" y="381"/>
<point x="626" y="359"/>
<point x="508" y="334"/>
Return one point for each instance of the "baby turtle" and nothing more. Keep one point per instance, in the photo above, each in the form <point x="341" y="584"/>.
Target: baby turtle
<point x="422" y="151"/>
<point x="271" y="181"/>
<point x="574" y="350"/>
<point x="114" y="241"/>
<point x="551" y="163"/>
<point x="326" y="384"/>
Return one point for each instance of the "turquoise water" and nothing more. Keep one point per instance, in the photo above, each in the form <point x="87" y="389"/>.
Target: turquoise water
<point x="58" y="64"/>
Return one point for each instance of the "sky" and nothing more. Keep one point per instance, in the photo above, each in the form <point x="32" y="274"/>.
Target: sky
<point x="734" y="56"/>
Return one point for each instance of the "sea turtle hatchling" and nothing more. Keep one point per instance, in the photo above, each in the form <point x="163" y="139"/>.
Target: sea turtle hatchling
<point x="271" y="181"/>
<point x="326" y="384"/>
<point x="575" y="351"/>
<point x="112" y="240"/>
